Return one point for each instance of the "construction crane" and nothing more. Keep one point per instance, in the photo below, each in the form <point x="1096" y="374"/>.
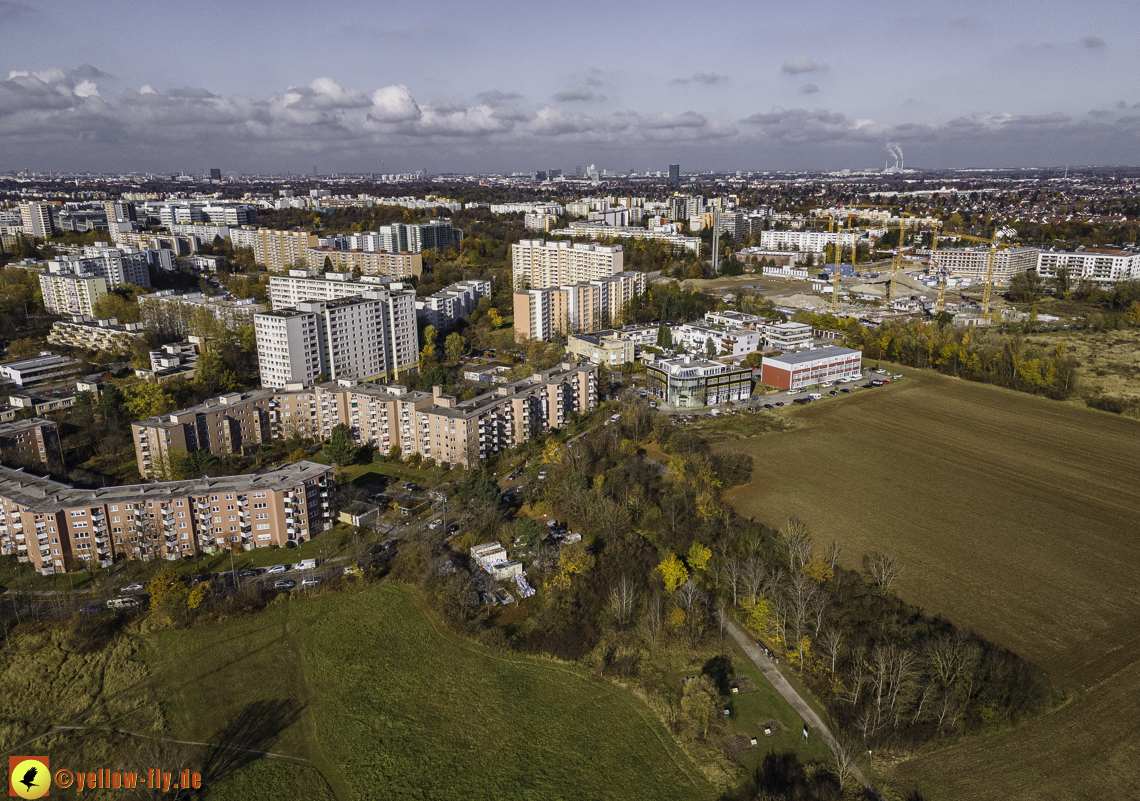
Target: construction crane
<point x="994" y="243"/>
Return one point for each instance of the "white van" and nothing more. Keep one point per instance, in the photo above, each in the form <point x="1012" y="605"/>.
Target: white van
<point x="815" y="396"/>
<point x="306" y="564"/>
<point x="123" y="603"/>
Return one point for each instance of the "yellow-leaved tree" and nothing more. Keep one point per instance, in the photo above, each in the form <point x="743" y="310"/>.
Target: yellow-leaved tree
<point x="818" y="568"/>
<point x="674" y="572"/>
<point x="699" y="556"/>
<point x="574" y="559"/>
<point x="760" y="616"/>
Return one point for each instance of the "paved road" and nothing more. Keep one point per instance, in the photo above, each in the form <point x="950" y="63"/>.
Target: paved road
<point x="777" y="680"/>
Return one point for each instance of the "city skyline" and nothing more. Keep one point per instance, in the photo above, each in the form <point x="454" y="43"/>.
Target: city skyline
<point x="950" y="85"/>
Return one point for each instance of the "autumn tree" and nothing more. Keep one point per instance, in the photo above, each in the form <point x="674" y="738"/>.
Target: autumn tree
<point x="673" y="572"/>
<point x="455" y="347"/>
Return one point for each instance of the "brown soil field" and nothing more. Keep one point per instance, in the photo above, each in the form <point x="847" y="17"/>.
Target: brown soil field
<point x="1015" y="517"/>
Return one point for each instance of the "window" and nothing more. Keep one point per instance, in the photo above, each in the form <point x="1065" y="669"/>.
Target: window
<point x="262" y="527"/>
<point x="182" y="525"/>
<point x="233" y="518"/>
<point x="230" y="496"/>
<point x="179" y="503"/>
<point x="79" y="513"/>
<point x="261" y="516"/>
<point x="230" y="508"/>
<point x="115" y="507"/>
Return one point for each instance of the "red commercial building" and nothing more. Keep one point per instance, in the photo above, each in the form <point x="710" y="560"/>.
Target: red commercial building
<point x="811" y="367"/>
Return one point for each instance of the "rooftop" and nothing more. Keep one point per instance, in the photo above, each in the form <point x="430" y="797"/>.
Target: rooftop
<point x="813" y="355"/>
<point x="20" y="426"/>
<point x="45" y="495"/>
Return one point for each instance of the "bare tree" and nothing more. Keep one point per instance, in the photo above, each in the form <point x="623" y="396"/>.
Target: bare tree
<point x="623" y="598"/>
<point x="732" y="572"/>
<point x="831" y="645"/>
<point x="834" y="551"/>
<point x="690" y="595"/>
<point x="882" y="569"/>
<point x="843" y="759"/>
<point x="801" y="591"/>
<point x="754" y="573"/>
<point x="858" y="676"/>
<point x="721" y="619"/>
<point x="654" y="620"/>
<point x="820" y="601"/>
<point x="797" y="541"/>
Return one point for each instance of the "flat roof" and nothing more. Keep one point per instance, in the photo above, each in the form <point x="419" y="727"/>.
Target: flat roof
<point x="46" y="495"/>
<point x="20" y="426"/>
<point x="813" y="355"/>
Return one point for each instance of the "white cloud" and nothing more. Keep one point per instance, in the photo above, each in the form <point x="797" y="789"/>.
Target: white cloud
<point x="59" y="118"/>
<point x="394" y="104"/>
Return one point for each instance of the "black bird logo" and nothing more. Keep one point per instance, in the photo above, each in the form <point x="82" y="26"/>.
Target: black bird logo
<point x="29" y="778"/>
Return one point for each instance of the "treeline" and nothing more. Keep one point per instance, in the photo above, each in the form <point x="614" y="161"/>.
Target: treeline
<point x="978" y="354"/>
<point x="670" y="564"/>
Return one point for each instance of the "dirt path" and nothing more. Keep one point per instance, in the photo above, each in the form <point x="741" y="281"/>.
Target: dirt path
<point x="777" y="680"/>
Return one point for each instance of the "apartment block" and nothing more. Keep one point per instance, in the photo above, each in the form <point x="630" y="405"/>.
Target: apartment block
<point x="536" y="264"/>
<point x="397" y="327"/>
<point x="68" y="293"/>
<point x="580" y="308"/>
<point x="36" y="219"/>
<point x="432" y="424"/>
<point x="607" y="348"/>
<point x="57" y="528"/>
<point x="1094" y="265"/>
<point x="446" y="307"/>
<point x="335" y="338"/>
<point x="89" y="333"/>
<point x="173" y="313"/>
<point x="462" y="433"/>
<point x="298" y="285"/>
<point x="276" y="250"/>
<point x="973" y="263"/>
<point x="736" y="342"/>
<point x="813" y="241"/>
<point x="33" y="438"/>
<point x="398" y="266"/>
<point x="116" y="265"/>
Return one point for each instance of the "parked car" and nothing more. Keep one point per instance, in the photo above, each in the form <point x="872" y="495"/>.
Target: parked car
<point x="136" y="587"/>
<point x="769" y="406"/>
<point x="310" y="582"/>
<point x="284" y="584"/>
<point x="833" y="392"/>
<point x="250" y="572"/>
<point x="778" y="403"/>
<point x="542" y="473"/>
<point x="91" y="609"/>
<point x="845" y="391"/>
<point x="276" y="569"/>
<point x="435" y="524"/>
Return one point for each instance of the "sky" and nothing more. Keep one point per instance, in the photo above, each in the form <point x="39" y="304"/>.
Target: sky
<point x="354" y="86"/>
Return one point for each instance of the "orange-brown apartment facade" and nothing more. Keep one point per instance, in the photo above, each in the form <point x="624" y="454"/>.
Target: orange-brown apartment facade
<point x="435" y="425"/>
<point x="58" y="528"/>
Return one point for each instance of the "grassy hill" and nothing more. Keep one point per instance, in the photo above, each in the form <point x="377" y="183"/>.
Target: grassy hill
<point x="384" y="704"/>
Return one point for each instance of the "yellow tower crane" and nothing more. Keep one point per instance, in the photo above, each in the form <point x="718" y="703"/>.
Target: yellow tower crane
<point x="987" y="291"/>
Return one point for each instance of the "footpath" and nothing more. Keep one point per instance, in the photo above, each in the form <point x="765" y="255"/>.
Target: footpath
<point x="777" y="680"/>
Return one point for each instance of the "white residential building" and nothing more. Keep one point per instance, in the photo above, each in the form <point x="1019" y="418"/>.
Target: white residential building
<point x="36" y="219"/>
<point x="445" y="308"/>
<point x="336" y="338"/>
<point x="396" y="326"/>
<point x="298" y="285"/>
<point x="172" y="313"/>
<point x="973" y="263"/>
<point x="67" y="293"/>
<point x="117" y="265"/>
<point x="537" y="264"/>
<point x="735" y="342"/>
<point x="1096" y="265"/>
<point x="594" y="230"/>
<point x="814" y="241"/>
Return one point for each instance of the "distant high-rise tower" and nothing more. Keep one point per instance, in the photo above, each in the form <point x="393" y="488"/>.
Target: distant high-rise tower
<point x="314" y="170"/>
<point x="215" y="174"/>
<point x="674" y="173"/>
